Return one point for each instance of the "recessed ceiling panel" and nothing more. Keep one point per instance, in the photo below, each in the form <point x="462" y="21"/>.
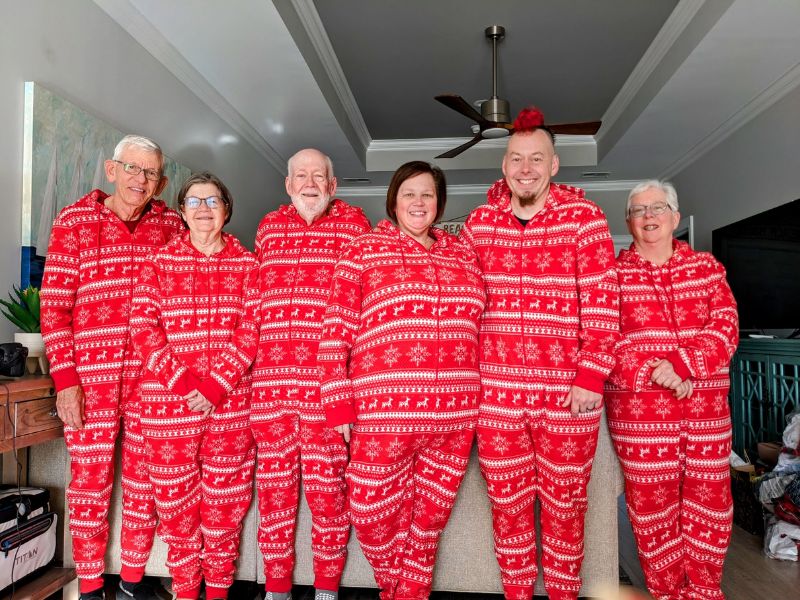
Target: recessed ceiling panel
<point x="570" y="57"/>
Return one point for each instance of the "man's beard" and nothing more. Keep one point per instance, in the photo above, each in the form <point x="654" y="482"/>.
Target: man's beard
<point x="528" y="199"/>
<point x="308" y="209"/>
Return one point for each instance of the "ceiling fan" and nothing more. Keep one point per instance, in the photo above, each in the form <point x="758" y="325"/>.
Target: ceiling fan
<point x="494" y="120"/>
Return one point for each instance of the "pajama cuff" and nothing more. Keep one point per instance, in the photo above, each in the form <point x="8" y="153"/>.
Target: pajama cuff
<point x="340" y="414"/>
<point x="681" y="368"/>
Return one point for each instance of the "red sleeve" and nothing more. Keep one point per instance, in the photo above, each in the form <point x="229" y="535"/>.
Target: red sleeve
<point x="339" y="330"/>
<point x="598" y="294"/>
<point x="148" y="336"/>
<point x="58" y="294"/>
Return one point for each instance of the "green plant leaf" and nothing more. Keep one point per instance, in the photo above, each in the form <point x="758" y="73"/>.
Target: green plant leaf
<point x="32" y="301"/>
<point x="15" y="322"/>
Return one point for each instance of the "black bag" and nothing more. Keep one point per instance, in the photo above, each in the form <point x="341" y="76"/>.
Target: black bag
<point x="12" y="359"/>
<point x="27" y="533"/>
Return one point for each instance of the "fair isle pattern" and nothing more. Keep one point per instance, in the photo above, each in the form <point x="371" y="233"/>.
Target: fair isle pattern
<point x="296" y="265"/>
<point x="674" y="453"/>
<point x="194" y="322"/>
<point x="92" y="264"/>
<point x="551" y="321"/>
<point x="399" y="357"/>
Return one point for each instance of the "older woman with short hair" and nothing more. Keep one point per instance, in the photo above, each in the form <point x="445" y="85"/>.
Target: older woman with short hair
<point x="194" y="322"/>
<point x="399" y="363"/>
<point x="667" y="399"/>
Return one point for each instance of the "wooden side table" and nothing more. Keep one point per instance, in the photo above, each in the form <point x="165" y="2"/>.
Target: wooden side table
<point x="28" y="414"/>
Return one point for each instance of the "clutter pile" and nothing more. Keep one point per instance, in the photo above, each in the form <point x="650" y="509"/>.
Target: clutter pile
<point x="779" y="493"/>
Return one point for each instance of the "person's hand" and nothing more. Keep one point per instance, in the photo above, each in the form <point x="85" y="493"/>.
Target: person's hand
<point x="199" y="403"/>
<point x="684" y="390"/>
<point x="344" y="430"/>
<point x="581" y="400"/>
<point x="70" y="406"/>
<point x="664" y="374"/>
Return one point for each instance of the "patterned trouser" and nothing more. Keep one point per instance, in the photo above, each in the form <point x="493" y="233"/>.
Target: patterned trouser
<point x="402" y="490"/>
<point x="674" y="455"/>
<point x="91" y="451"/>
<point x="544" y="452"/>
<point x="290" y="439"/>
<point x="202" y="475"/>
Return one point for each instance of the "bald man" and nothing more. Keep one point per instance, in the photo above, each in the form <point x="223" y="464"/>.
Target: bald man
<point x="298" y="246"/>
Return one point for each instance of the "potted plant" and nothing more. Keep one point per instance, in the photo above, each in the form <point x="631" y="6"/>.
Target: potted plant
<point x="23" y="311"/>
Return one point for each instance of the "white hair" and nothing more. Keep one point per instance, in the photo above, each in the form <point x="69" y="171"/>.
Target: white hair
<point x="328" y="162"/>
<point x="139" y="141"/>
<point x="670" y="195"/>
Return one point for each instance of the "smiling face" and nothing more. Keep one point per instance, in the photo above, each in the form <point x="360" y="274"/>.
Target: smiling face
<point x="649" y="229"/>
<point x="416" y="205"/>
<point x="133" y="192"/>
<point x="204" y="221"/>
<point x="309" y="184"/>
<point x="529" y="164"/>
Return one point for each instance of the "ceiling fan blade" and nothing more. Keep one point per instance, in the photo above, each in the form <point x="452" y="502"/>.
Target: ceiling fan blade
<point x="584" y="128"/>
<point x="458" y="104"/>
<point x="456" y="151"/>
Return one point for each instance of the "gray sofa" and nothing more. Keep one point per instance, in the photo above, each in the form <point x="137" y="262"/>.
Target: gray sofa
<point x="465" y="563"/>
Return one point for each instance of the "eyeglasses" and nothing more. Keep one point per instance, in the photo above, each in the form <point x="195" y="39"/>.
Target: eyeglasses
<point x="637" y="211"/>
<point x="212" y="202"/>
<point x="131" y="169"/>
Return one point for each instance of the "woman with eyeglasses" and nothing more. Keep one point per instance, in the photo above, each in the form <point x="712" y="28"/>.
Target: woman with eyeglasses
<point x="194" y="323"/>
<point x="667" y="402"/>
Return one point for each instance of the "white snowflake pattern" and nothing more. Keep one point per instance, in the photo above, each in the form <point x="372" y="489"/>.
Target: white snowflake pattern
<point x="85" y="236"/>
<point x="418" y="354"/>
<point x="603" y="256"/>
<point x="103" y="313"/>
<point x="375" y="278"/>
<point x="391" y="356"/>
<point x="167" y="452"/>
<point x="567" y="260"/>
<point x="372" y="448"/>
<point x="704" y="492"/>
<point x="679" y="313"/>
<point x="401" y="274"/>
<point x="230" y="283"/>
<point x="322" y="276"/>
<point x="500" y="443"/>
<point x="501" y="349"/>
<point x="660" y="495"/>
<point x="509" y="260"/>
<point x="268" y="278"/>
<point x="301" y="353"/>
<point x="636" y="406"/>
<point x="395" y="448"/>
<point x="697" y="405"/>
<point x="368" y="360"/>
<point x="543" y="261"/>
<point x="642" y="314"/>
<point x="569" y="448"/>
<point x="661" y="406"/>
<point x="556" y="353"/>
<point x="111" y="233"/>
<point x="460" y="353"/>
<point x="277" y="353"/>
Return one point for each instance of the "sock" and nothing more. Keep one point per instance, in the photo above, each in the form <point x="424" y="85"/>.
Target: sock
<point x="326" y="595"/>
<point x="278" y="596"/>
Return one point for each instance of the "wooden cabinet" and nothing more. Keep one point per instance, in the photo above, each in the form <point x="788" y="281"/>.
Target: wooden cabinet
<point x="28" y="415"/>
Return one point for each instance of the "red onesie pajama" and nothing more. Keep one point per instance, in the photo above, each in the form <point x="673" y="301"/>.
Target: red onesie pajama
<point x="92" y="262"/>
<point x="296" y="265"/>
<point x="194" y="322"/>
<point x="674" y="453"/>
<point x="398" y="358"/>
<point x="551" y="321"/>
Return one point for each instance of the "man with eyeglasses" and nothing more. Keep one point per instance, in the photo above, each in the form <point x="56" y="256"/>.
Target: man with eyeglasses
<point x="96" y="247"/>
<point x="298" y="246"/>
<point x="547" y="343"/>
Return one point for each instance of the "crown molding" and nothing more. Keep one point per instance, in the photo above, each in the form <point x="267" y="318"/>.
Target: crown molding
<point x="782" y="86"/>
<point x="141" y="30"/>
<point x="665" y="39"/>
<point x="481" y="188"/>
<point x="309" y="17"/>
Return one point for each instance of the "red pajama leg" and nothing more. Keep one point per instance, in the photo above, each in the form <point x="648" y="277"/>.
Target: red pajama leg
<point x="138" y="504"/>
<point x="173" y="437"/>
<point x="565" y="446"/>
<point x="323" y="461"/>
<point x="507" y="460"/>
<point x="277" y="478"/>
<point x="228" y="460"/>
<point x="91" y="451"/>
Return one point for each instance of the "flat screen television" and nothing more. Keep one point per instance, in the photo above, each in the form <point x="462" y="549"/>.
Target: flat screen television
<point x="761" y="255"/>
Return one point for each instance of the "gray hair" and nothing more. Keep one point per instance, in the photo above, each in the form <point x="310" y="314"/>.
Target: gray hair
<point x="670" y="195"/>
<point x="139" y="141"/>
<point x="328" y="162"/>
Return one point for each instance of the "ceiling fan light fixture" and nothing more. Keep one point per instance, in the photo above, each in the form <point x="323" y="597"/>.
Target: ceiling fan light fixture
<point x="493" y="133"/>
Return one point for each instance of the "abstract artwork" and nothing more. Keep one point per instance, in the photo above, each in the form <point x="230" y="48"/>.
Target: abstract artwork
<point x="64" y="148"/>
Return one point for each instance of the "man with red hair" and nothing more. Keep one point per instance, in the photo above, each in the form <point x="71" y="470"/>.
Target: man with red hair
<point x="547" y="340"/>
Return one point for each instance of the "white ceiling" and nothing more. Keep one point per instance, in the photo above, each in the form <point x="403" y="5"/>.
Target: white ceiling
<point x="668" y="83"/>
